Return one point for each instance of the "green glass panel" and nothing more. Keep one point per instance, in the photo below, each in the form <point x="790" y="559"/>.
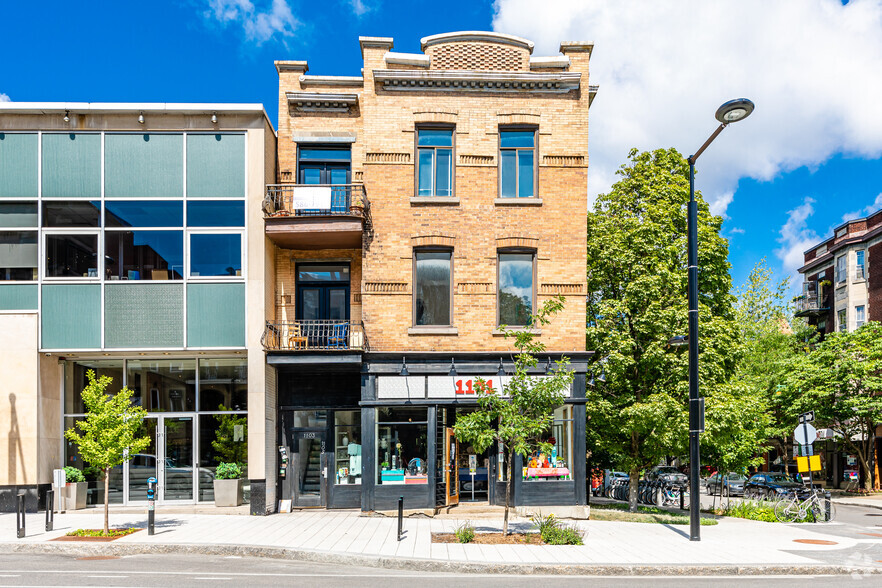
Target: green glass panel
<point x="71" y="316"/>
<point x="216" y="166"/>
<point x="18" y="165"/>
<point x="71" y="165"/>
<point x="216" y="315"/>
<point x="143" y="315"/>
<point x="18" y="297"/>
<point x="143" y="166"/>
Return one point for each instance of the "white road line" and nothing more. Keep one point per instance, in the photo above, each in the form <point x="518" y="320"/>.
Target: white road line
<point x="102" y="576"/>
<point x="212" y="578"/>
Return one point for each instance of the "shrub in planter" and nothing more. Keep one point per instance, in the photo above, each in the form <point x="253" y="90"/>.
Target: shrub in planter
<point x="76" y="489"/>
<point x="465" y="533"/>
<point x="228" y="485"/>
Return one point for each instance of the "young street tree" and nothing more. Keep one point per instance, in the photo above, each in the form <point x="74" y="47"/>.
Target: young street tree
<point x="841" y="380"/>
<point x="109" y="432"/>
<point x="519" y="416"/>
<point x="637" y="277"/>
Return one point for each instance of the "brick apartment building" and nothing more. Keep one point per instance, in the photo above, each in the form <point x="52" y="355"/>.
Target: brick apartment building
<point x="843" y="290"/>
<point x="418" y="207"/>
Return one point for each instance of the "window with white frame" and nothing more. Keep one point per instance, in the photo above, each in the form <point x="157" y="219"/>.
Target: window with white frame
<point x="860" y="316"/>
<point x="842" y="315"/>
<point x="840" y="269"/>
<point x="435" y="167"/>
<point x="860" y="269"/>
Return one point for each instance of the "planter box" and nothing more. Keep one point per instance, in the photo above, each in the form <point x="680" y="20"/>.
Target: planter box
<point x="228" y="492"/>
<point x="76" y="495"/>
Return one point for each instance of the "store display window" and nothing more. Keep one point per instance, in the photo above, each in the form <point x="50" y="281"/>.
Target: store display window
<point x="402" y="446"/>
<point x="347" y="446"/>
<point x="544" y="467"/>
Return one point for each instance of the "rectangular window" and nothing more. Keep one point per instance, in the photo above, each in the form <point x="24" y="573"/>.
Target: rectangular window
<point x="162" y="385"/>
<point x="71" y="214"/>
<point x="517" y="164"/>
<point x="432" y="292"/>
<point x="223" y="384"/>
<point x="516" y="288"/>
<point x="860" y="270"/>
<point x="220" y="213"/>
<point x="72" y="256"/>
<point x="215" y="255"/>
<point x="435" y="157"/>
<point x="843" y="320"/>
<point x="143" y="213"/>
<point x="840" y="269"/>
<point x="75" y="380"/>
<point x="402" y="446"/>
<point x="545" y="467"/>
<point x="19" y="255"/>
<point x="860" y="316"/>
<point x="18" y="214"/>
<point x="144" y="255"/>
<point x="347" y="446"/>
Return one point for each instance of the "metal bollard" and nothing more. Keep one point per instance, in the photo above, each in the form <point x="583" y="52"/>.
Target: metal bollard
<point x="50" y="509"/>
<point x="151" y="504"/>
<point x="827" y="506"/>
<point x="20" y="517"/>
<point x="682" y="498"/>
<point x="400" y="517"/>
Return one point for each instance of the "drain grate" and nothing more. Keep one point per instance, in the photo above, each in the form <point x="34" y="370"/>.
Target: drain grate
<point x="100" y="557"/>
<point x="815" y="542"/>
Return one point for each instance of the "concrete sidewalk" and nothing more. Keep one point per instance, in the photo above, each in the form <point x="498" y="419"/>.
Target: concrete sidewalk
<point x="347" y="536"/>
<point x="874" y="501"/>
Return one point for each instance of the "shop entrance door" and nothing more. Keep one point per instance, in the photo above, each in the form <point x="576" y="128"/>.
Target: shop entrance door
<point x="310" y="468"/>
<point x="451" y="470"/>
<point x="170" y="458"/>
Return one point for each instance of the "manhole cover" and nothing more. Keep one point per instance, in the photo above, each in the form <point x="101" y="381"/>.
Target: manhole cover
<point x="99" y="557"/>
<point x="815" y="542"/>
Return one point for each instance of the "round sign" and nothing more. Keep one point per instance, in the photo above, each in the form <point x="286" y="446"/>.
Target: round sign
<point x="805" y="434"/>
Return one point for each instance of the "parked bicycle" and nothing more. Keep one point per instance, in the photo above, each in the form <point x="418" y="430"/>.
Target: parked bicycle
<point x="810" y="509"/>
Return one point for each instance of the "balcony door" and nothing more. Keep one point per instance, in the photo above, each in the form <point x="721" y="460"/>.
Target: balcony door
<point x="322" y="309"/>
<point x="326" y="167"/>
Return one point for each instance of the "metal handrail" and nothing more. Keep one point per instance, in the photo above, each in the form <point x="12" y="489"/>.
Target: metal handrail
<point x="810" y="299"/>
<point x="314" y="335"/>
<point x="346" y="200"/>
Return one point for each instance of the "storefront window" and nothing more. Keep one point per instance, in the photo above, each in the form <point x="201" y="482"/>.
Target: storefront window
<point x="222" y="438"/>
<point x="223" y="384"/>
<point x="94" y="476"/>
<point x="542" y="467"/>
<point x="163" y="385"/>
<point x="402" y="446"/>
<point x="347" y="444"/>
<point x="75" y="380"/>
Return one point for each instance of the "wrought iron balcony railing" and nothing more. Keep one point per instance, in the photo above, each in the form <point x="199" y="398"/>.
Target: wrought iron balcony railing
<point x="316" y="200"/>
<point x="314" y="335"/>
<point x="812" y="301"/>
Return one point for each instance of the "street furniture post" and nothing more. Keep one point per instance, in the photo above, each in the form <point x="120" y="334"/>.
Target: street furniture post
<point x="151" y="504"/>
<point x="400" y="517"/>
<point x="20" y="517"/>
<point x="50" y="510"/>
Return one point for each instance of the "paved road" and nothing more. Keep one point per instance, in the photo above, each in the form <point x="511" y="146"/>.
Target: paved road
<point x="197" y="570"/>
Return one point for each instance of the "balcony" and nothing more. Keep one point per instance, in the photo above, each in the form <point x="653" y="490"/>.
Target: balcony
<point x="811" y="302"/>
<point x="314" y="335"/>
<point x="302" y="216"/>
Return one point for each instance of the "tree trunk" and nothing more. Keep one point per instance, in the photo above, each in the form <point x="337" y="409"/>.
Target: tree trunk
<point x="106" y="501"/>
<point x="508" y="484"/>
<point x="634" y="481"/>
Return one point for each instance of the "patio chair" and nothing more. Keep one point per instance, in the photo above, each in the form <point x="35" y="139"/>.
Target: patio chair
<point x="296" y="340"/>
<point x="339" y="338"/>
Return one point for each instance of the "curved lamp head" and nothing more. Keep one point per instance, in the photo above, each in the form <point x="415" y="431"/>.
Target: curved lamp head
<point x="734" y="110"/>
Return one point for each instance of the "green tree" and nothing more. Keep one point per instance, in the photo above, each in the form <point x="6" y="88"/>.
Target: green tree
<point x="637" y="278"/>
<point x="840" y="379"/>
<point x="230" y="450"/>
<point x="519" y="419"/>
<point x="109" y="433"/>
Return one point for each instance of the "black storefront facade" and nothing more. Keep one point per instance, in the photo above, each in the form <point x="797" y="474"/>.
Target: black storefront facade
<point x="359" y="430"/>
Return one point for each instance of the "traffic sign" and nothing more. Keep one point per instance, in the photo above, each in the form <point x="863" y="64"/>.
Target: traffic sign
<point x="807" y="417"/>
<point x="805" y="434"/>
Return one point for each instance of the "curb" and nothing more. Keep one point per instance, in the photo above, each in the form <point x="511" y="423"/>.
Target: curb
<point x="426" y="565"/>
<point x="847" y="502"/>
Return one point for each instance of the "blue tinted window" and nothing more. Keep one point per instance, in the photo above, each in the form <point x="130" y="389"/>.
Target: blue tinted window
<point x="443" y="164"/>
<point x="143" y="214"/>
<point x="216" y="214"/>
<point x="144" y="255"/>
<point x="425" y="172"/>
<point x="525" y="174"/>
<point x="435" y="137"/>
<point x="215" y="255"/>
<point x="314" y="154"/>
<point x="516" y="139"/>
<point x="515" y="288"/>
<point x="508" y="170"/>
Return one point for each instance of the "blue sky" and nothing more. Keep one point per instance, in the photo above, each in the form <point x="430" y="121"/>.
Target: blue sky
<point x="807" y="158"/>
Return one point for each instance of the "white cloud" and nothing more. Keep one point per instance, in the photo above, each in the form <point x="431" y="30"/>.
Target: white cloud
<point x="259" y="25"/>
<point x="795" y="238"/>
<point x="736" y="231"/>
<point x="5" y="98"/>
<point x="865" y="211"/>
<point x="663" y="67"/>
<point x="359" y="7"/>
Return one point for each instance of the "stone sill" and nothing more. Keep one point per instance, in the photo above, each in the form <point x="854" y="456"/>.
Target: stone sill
<point x="518" y="202"/>
<point x="433" y="331"/>
<point x="500" y="332"/>
<point x="437" y="200"/>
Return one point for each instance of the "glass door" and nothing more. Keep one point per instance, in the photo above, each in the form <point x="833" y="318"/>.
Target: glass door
<point x="178" y="459"/>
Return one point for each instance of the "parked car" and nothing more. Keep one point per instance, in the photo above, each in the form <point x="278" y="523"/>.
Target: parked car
<point x="769" y="485"/>
<point x="733" y="484"/>
<point x="666" y="474"/>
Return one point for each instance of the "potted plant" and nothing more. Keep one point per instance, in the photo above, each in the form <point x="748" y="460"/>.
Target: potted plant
<point x="228" y="484"/>
<point x="356" y="204"/>
<point x="76" y="487"/>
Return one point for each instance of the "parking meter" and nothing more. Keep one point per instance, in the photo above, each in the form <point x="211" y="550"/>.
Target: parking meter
<point x="151" y="503"/>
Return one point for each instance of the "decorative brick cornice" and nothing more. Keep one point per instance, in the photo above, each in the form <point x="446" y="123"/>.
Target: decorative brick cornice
<point x="478" y="81"/>
<point x="434" y="116"/>
<point x="385" y="288"/>
<point x="476" y="36"/>
<point x="346" y="81"/>
<point x="316" y="101"/>
<point x="563" y="160"/>
<point x="430" y="240"/>
<point x="474" y="288"/>
<point x="561" y="289"/>
<point x="394" y="158"/>
<point x="476" y="160"/>
<point x="525" y="242"/>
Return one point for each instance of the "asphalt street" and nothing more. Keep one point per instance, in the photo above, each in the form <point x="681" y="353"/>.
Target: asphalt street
<point x="198" y="570"/>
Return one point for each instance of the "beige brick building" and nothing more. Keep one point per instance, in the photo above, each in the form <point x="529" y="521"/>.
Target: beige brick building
<point x="471" y="158"/>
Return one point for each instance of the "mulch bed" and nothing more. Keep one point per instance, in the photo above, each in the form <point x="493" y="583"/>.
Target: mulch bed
<point x="117" y="533"/>
<point x="492" y="538"/>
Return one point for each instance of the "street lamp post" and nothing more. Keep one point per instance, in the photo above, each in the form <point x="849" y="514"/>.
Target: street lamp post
<point x="730" y="112"/>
